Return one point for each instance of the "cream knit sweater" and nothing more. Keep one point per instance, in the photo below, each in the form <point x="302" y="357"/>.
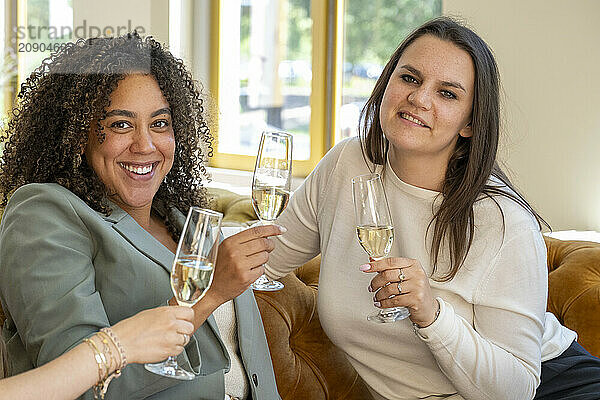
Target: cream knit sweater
<point x="492" y="332"/>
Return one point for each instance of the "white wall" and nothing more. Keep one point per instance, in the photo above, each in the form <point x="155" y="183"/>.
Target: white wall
<point x="151" y="15"/>
<point x="549" y="59"/>
<point x="190" y="36"/>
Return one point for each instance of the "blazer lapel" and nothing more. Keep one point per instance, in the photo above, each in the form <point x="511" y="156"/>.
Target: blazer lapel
<point x="146" y="244"/>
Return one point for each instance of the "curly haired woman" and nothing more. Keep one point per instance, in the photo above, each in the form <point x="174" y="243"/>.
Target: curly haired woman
<point x="103" y="155"/>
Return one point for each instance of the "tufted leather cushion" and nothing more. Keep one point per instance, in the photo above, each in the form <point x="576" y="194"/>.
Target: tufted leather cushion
<point x="235" y="208"/>
<point x="574" y="288"/>
<point x="307" y="365"/>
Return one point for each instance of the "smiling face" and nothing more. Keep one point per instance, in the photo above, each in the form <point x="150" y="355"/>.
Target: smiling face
<point x="139" y="147"/>
<point x="428" y="100"/>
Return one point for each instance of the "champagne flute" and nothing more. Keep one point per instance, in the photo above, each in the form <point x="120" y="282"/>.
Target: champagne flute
<point x="271" y="187"/>
<point x="375" y="231"/>
<point x="192" y="272"/>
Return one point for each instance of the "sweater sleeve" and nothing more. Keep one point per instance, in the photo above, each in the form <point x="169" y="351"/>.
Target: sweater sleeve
<point x="47" y="281"/>
<point x="499" y="356"/>
<point x="301" y="242"/>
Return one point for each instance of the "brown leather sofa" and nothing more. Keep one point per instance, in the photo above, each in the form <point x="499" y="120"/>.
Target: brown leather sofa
<point x="308" y="366"/>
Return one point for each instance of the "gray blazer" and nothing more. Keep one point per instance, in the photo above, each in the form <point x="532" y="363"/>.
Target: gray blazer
<point x="66" y="271"/>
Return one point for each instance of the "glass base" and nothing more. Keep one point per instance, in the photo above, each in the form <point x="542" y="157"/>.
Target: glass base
<point x="170" y="369"/>
<point x="264" y="284"/>
<point x="386" y="315"/>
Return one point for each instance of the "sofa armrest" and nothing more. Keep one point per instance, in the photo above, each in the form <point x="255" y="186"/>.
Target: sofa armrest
<point x="235" y="208"/>
<point x="309" y="272"/>
<point x="574" y="288"/>
<point x="307" y="364"/>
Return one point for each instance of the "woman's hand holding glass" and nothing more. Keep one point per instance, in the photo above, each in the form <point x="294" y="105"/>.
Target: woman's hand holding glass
<point x="192" y="272"/>
<point x="375" y="232"/>
<point x="153" y="335"/>
<point x="414" y="287"/>
<point x="271" y="187"/>
<point x="241" y="261"/>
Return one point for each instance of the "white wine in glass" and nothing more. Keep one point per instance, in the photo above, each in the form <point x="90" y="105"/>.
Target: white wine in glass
<point x="192" y="272"/>
<point x="271" y="186"/>
<point x="375" y="231"/>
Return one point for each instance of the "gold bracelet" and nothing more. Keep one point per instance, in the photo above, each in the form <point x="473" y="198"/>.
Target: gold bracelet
<point x="100" y="355"/>
<point x="117" y="344"/>
<point x="96" y="357"/>
<point x="100" y="360"/>
<point x="116" y="373"/>
<point x="108" y="351"/>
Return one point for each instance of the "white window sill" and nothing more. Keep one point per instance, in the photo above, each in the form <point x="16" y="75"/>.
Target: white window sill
<point x="589" y="236"/>
<point x="237" y="181"/>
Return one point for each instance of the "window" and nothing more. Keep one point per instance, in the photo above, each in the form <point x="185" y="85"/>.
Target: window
<point x="267" y="55"/>
<point x="35" y="29"/>
<point x="43" y="25"/>
<point x="372" y="31"/>
<point x="8" y="62"/>
<point x="302" y="66"/>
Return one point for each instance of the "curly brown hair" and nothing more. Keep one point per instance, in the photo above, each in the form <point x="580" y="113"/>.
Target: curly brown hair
<point x="66" y="97"/>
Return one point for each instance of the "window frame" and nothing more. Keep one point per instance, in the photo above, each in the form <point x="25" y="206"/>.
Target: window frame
<point x="320" y="127"/>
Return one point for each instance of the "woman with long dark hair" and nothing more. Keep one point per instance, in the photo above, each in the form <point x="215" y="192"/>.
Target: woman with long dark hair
<point x="468" y="258"/>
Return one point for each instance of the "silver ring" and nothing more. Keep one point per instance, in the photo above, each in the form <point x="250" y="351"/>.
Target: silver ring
<point x="401" y="276"/>
<point x="399" y="288"/>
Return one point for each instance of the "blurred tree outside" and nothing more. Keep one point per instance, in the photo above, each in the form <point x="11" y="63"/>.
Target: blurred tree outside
<point x="373" y="29"/>
<point x="299" y="37"/>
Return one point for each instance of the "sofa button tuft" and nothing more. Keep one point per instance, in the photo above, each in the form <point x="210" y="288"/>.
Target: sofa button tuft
<point x="255" y="379"/>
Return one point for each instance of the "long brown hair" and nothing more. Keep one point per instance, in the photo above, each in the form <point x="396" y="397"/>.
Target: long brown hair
<point x="473" y="161"/>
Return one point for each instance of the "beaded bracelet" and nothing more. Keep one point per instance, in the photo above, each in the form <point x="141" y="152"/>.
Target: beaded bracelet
<point x="107" y="350"/>
<point x="117" y="344"/>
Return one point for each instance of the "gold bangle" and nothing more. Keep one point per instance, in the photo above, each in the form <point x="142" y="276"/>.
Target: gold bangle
<point x="117" y="344"/>
<point x="99" y="388"/>
<point x="100" y="359"/>
<point x="107" y="350"/>
<point x="116" y="373"/>
<point x="96" y="357"/>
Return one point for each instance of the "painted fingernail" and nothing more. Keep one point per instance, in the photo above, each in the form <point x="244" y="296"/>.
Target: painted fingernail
<point x="282" y="229"/>
<point x="377" y="304"/>
<point x="370" y="288"/>
<point x="374" y="298"/>
<point x="365" y="267"/>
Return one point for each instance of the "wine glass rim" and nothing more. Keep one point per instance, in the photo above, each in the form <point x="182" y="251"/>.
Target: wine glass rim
<point x="277" y="133"/>
<point x="368" y="177"/>
<point x="207" y="211"/>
